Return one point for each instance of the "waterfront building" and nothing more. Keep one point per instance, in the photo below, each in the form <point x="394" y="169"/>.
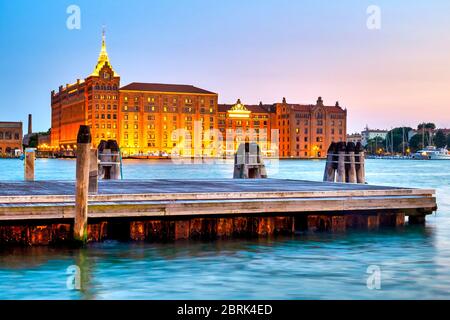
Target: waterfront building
<point x="239" y="123"/>
<point x="186" y="120"/>
<point x="10" y="138"/>
<point x="369" y="134"/>
<point x="354" y="137"/>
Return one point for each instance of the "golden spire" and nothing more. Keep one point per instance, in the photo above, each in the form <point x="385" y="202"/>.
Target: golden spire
<point x="102" y="58"/>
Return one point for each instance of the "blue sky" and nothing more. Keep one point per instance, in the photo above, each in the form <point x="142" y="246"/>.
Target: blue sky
<point x="256" y="50"/>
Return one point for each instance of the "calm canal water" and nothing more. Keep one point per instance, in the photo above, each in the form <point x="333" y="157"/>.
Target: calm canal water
<point x="414" y="260"/>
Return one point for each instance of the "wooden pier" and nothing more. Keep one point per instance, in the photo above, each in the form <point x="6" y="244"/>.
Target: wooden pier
<point x="42" y="212"/>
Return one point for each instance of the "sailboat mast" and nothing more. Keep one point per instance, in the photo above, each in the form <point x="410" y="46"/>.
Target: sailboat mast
<point x="423" y="135"/>
<point x="403" y="141"/>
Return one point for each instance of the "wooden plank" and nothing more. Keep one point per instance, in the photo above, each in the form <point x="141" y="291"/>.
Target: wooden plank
<point x="216" y="207"/>
<point x="215" y="195"/>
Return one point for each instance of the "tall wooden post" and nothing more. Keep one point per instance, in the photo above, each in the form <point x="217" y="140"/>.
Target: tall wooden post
<point x="359" y="163"/>
<point x="330" y="171"/>
<point x="30" y="156"/>
<point x="82" y="184"/>
<point x="341" y="162"/>
<point x="350" y="163"/>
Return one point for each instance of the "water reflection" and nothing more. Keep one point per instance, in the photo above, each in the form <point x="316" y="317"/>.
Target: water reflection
<point x="303" y="266"/>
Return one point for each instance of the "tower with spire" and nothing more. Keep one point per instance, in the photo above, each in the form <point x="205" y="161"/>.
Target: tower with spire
<point x="103" y="59"/>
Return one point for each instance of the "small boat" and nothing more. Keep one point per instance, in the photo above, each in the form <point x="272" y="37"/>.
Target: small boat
<point x="432" y="153"/>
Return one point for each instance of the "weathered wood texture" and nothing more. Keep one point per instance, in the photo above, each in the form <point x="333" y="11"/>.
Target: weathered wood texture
<point x="30" y="156"/>
<point x="196" y="228"/>
<point x="93" y="171"/>
<point x="157" y="198"/>
<point x="82" y="183"/>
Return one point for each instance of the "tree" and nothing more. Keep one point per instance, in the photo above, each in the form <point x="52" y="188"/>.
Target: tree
<point x="376" y="145"/>
<point x="416" y="141"/>
<point x="429" y="126"/>
<point x="448" y="140"/>
<point x="396" y="135"/>
<point x="440" y="139"/>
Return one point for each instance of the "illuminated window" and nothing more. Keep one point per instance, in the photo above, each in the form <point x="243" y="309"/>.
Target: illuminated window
<point x="135" y="126"/>
<point x="125" y="98"/>
<point x="135" y="117"/>
<point x="125" y="108"/>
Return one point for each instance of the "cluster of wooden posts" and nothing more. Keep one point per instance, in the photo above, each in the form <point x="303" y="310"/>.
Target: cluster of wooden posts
<point x="345" y="163"/>
<point x="248" y="162"/>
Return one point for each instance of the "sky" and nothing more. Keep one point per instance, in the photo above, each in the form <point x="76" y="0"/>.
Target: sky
<point x="255" y="50"/>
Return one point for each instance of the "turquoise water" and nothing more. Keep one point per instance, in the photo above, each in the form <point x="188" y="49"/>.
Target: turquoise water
<point x="414" y="260"/>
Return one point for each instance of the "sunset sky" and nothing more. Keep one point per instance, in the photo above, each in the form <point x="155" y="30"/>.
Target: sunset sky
<point x="256" y="50"/>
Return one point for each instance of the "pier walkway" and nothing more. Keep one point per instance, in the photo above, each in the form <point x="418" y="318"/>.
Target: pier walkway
<point x="158" y="198"/>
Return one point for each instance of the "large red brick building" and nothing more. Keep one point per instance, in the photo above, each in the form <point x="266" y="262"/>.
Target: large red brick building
<point x="186" y="120"/>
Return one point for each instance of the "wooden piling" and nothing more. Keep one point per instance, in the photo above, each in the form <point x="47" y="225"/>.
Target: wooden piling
<point x="350" y="168"/>
<point x="93" y="171"/>
<point x="82" y="184"/>
<point x="359" y="163"/>
<point x="30" y="156"/>
<point x="115" y="159"/>
<point x="341" y="148"/>
<point x="330" y="171"/>
<point x="109" y="155"/>
<point x="248" y="162"/>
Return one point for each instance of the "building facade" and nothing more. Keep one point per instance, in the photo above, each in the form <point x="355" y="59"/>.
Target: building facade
<point x="11" y="135"/>
<point x="185" y="120"/>
<point x="369" y="134"/>
<point x="354" y="137"/>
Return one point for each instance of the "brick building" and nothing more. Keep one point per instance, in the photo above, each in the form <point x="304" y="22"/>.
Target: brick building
<point x="186" y="120"/>
<point x="10" y="138"/>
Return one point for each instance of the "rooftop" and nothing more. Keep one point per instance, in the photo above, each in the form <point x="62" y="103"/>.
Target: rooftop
<point x="162" y="87"/>
<point x="10" y="124"/>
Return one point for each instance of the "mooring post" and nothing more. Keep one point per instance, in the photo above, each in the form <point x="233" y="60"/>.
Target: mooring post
<point x="359" y="163"/>
<point x="93" y="171"/>
<point x="341" y="162"/>
<point x="30" y="156"/>
<point x="330" y="171"/>
<point x="115" y="159"/>
<point x="82" y="184"/>
<point x="248" y="162"/>
<point x="350" y="163"/>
